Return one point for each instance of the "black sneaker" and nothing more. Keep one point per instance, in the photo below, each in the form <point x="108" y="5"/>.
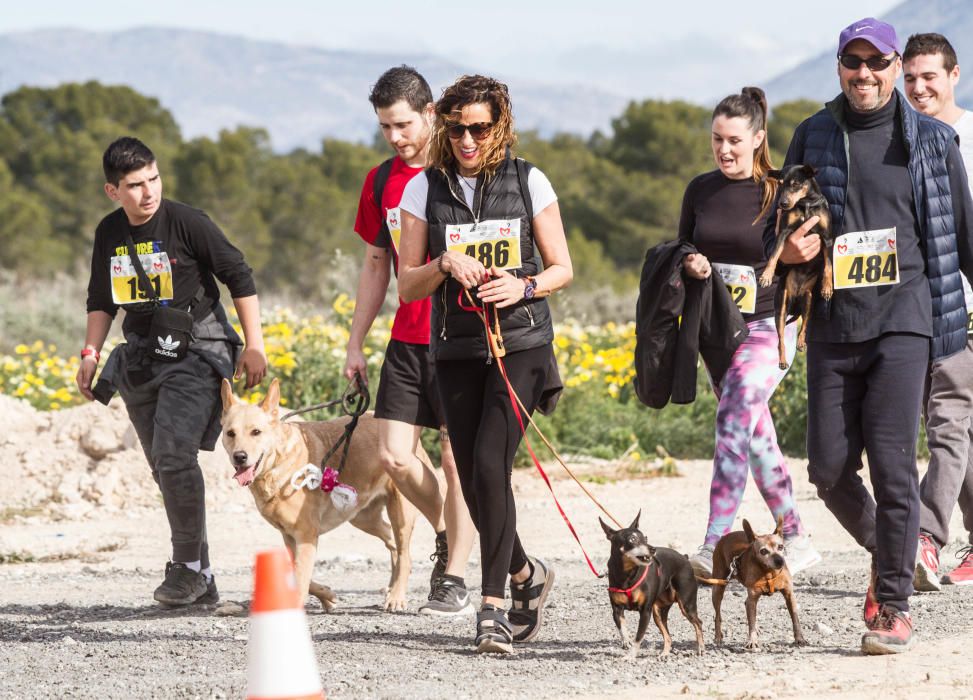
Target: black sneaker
<point x="527" y="601"/>
<point x="211" y="596"/>
<point x="182" y="586"/>
<point x="447" y="598"/>
<point x="493" y="635"/>
<point x="439" y="557"/>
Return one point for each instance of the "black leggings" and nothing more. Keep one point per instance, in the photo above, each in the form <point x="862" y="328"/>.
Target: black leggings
<point x="484" y="434"/>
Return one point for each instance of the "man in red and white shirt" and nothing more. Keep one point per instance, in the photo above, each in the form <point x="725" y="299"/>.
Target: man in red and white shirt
<point x="408" y="398"/>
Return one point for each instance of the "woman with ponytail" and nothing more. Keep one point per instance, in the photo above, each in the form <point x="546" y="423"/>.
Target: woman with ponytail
<point x="723" y="216"/>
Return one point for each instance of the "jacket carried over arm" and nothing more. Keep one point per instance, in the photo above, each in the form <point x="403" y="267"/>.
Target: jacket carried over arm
<point x="677" y="319"/>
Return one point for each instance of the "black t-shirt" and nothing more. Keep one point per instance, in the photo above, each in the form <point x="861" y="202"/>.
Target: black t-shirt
<point x="717" y="217"/>
<point x="880" y="196"/>
<point x="180" y="248"/>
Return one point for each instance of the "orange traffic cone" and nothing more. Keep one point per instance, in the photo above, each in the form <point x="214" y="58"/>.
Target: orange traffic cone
<point x="280" y="658"/>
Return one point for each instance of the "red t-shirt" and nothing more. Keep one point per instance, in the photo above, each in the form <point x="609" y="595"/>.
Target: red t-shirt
<point x="411" y="323"/>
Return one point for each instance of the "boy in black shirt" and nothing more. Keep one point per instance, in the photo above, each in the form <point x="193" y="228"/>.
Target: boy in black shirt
<point x="174" y="405"/>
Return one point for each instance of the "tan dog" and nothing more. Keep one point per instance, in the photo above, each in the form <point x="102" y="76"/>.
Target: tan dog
<point x="758" y="563"/>
<point x="266" y="454"/>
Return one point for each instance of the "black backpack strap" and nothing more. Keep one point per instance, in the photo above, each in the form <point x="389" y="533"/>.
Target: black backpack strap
<point x="384" y="237"/>
<point x="522" y="175"/>
<point x="144" y="281"/>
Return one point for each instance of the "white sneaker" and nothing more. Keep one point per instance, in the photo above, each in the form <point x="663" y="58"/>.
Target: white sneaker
<point x="702" y="561"/>
<point x="801" y="554"/>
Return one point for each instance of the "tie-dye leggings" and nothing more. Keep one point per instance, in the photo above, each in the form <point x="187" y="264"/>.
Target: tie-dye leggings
<point x="745" y="435"/>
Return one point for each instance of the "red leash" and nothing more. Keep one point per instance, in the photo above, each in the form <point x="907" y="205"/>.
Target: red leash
<point x="515" y="404"/>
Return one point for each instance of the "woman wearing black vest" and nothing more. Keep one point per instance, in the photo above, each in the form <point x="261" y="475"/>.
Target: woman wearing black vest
<point x="470" y="226"/>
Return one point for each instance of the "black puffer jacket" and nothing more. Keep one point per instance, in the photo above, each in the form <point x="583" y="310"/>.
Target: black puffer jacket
<point x="677" y="319"/>
<point x="457" y="333"/>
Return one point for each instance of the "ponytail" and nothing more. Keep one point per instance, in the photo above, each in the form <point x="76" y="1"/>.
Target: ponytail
<point x="751" y="104"/>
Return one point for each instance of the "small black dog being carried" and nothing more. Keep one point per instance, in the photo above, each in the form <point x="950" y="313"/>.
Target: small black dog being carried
<point x="800" y="199"/>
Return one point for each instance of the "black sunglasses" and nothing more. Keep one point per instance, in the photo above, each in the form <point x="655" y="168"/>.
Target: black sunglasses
<point x="876" y="64"/>
<point x="478" y="131"/>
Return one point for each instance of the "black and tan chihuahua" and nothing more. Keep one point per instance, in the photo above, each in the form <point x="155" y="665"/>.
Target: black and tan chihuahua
<point x="800" y="199"/>
<point x="648" y="579"/>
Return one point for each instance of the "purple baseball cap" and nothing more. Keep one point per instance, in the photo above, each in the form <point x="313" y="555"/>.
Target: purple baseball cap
<point x="877" y="33"/>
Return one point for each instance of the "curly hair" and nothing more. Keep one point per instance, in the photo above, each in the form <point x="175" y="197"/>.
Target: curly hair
<point x="469" y="90"/>
<point x="751" y="104"/>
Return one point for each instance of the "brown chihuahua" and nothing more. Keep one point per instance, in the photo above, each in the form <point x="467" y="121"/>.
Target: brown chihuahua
<point x="758" y="563"/>
<point x="648" y="579"/>
<point x="800" y="199"/>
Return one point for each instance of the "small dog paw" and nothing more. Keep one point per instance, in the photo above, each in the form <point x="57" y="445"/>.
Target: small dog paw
<point x="765" y="281"/>
<point x="801" y="642"/>
<point x="782" y="365"/>
<point x="752" y="645"/>
<point x="394" y="605"/>
<point x="826" y="294"/>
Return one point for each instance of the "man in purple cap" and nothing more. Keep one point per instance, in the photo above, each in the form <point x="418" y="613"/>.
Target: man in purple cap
<point x="901" y="219"/>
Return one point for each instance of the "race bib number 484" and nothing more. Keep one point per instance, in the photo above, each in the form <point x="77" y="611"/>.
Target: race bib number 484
<point x="866" y="259"/>
<point x="125" y="286"/>
<point x="493" y="243"/>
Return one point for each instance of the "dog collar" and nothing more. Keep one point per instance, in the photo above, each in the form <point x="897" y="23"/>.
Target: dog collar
<point x="628" y="591"/>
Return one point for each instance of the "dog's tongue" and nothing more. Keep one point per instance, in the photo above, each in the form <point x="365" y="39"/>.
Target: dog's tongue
<point x="245" y="476"/>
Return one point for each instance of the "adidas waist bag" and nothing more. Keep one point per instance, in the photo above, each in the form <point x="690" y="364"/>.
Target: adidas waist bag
<point x="170" y="333"/>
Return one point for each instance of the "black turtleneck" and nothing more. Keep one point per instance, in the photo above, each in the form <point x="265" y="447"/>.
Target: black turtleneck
<point x="880" y="196"/>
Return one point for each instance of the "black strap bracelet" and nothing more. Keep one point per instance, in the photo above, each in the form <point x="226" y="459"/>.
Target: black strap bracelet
<point x="439" y="264"/>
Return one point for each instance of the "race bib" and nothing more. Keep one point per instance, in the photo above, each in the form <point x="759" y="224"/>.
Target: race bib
<point x="125" y="288"/>
<point x="741" y="281"/>
<point x="493" y="243"/>
<point x="393" y="219"/>
<point x="865" y="259"/>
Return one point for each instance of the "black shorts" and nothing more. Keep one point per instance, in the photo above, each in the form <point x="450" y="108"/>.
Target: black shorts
<point x="407" y="390"/>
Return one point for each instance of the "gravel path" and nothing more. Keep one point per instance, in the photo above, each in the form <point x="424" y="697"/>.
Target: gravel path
<point x="82" y="624"/>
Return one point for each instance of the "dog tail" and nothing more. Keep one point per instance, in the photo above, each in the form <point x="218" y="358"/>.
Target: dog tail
<point x="712" y="581"/>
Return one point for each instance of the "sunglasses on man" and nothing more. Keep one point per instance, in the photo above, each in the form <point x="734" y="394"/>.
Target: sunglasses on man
<point x="478" y="131"/>
<point x="876" y="64"/>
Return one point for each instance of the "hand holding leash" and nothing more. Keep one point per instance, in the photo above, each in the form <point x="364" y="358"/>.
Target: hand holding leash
<point x="468" y="271"/>
<point x="503" y="289"/>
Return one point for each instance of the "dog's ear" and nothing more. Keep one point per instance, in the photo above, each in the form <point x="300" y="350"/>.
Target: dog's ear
<point x="780" y="526"/>
<point x="749" y="530"/>
<point x="226" y="393"/>
<point x="809" y="170"/>
<point x="635" y="523"/>
<point x="774" y="175"/>
<point x="608" y="531"/>
<point x="271" y="402"/>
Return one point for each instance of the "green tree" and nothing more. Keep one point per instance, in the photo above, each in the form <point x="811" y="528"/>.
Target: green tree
<point x="662" y="138"/>
<point x="783" y="120"/>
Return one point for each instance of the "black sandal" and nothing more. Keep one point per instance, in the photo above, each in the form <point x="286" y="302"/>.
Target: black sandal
<point x="527" y="601"/>
<point x="493" y="634"/>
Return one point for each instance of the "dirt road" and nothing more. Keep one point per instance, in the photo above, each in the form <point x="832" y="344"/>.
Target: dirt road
<point x="83" y="624"/>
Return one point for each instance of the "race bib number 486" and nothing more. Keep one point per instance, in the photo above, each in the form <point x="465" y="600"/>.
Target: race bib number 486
<point x="866" y="259"/>
<point x="493" y="243"/>
<point x="125" y="286"/>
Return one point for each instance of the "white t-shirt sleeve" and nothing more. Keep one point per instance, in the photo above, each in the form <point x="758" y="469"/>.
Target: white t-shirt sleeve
<point x="417" y="192"/>
<point x="541" y="191"/>
<point x="414" y="196"/>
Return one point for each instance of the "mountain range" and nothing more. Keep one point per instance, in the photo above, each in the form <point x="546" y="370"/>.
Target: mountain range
<point x="212" y="81"/>
<point x="299" y="94"/>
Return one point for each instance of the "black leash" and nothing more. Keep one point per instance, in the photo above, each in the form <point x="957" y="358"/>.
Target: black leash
<point x="354" y="402"/>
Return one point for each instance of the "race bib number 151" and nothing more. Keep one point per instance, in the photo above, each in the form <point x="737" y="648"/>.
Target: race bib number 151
<point x="125" y="287"/>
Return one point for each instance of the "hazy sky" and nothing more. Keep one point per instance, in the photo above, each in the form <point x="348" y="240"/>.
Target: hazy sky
<point x="749" y="39"/>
